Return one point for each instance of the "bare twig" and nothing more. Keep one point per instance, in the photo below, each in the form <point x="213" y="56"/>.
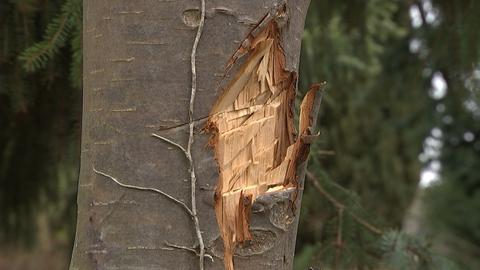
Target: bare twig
<point x="191" y="249"/>
<point x="191" y="134"/>
<point x="365" y="224"/>
<point x="188" y="154"/>
<point x="339" y="241"/>
<point x="177" y="201"/>
<point x="340" y="205"/>
<point x="180" y="247"/>
<point x="326" y="153"/>
<point x="171" y="142"/>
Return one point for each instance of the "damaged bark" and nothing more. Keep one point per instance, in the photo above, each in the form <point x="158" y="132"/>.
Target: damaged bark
<point x="253" y="134"/>
<point x="135" y="205"/>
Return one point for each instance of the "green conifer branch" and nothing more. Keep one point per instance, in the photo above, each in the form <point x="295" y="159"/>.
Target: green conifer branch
<point x="37" y="56"/>
<point x="65" y="27"/>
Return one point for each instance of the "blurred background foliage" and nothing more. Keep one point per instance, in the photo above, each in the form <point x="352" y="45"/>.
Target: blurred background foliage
<point x="393" y="181"/>
<point x="402" y="105"/>
<point x="40" y="112"/>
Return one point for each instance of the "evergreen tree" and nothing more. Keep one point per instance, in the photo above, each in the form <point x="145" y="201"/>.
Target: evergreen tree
<point x="453" y="204"/>
<point x="39" y="115"/>
<point x="380" y="107"/>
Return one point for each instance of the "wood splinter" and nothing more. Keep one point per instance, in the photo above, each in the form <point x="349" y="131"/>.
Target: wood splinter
<point x="253" y="136"/>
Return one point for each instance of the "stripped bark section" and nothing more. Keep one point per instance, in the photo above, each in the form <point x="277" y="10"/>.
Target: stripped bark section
<point x="301" y="148"/>
<point x="253" y="135"/>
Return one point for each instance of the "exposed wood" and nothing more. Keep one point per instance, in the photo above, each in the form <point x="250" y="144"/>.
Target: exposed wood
<point x="253" y="135"/>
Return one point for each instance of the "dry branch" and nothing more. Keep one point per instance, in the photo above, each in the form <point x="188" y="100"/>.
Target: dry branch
<point x="339" y="205"/>
<point x="193" y="178"/>
<point x="166" y="195"/>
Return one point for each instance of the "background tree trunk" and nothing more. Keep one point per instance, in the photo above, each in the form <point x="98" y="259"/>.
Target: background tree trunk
<point x="137" y="81"/>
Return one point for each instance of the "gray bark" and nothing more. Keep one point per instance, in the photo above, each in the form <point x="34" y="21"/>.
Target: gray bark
<point x="137" y="81"/>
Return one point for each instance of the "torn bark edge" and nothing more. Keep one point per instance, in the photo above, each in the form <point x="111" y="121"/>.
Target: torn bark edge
<point x="309" y="110"/>
<point x="245" y="212"/>
<point x="300" y="146"/>
<point x="292" y="190"/>
<point x="279" y="14"/>
<point x="265" y="203"/>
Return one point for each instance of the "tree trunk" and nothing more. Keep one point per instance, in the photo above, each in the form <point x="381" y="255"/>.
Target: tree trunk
<point x="134" y="197"/>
